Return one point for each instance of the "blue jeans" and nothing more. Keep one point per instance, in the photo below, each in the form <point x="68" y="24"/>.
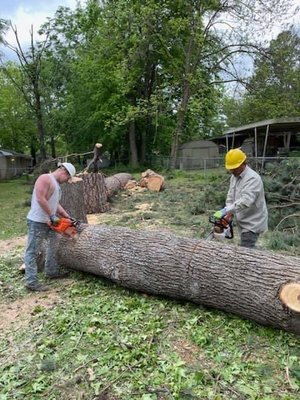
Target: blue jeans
<point x="37" y="233"/>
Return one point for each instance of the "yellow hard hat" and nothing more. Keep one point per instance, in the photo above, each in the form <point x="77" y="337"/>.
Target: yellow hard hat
<point x="234" y="158"/>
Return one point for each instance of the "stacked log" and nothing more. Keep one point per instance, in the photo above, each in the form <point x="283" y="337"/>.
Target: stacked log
<point x="152" y="181"/>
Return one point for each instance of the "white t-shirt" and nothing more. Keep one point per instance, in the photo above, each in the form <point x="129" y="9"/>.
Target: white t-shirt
<point x="36" y="212"/>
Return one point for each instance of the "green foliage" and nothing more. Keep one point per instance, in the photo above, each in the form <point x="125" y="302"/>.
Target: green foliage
<point x="273" y="87"/>
<point x="282" y="186"/>
<point x="16" y="124"/>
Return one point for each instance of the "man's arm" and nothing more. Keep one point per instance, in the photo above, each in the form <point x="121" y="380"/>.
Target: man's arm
<point x="62" y="212"/>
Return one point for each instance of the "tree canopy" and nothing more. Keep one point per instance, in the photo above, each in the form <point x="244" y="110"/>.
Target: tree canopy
<point x="144" y="77"/>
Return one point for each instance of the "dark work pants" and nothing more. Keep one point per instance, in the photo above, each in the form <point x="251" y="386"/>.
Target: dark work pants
<point x="249" y="239"/>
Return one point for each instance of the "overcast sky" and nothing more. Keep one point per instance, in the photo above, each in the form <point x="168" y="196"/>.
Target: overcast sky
<point x="24" y="13"/>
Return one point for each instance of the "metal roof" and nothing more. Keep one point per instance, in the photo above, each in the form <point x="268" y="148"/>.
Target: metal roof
<point x="197" y="144"/>
<point x="12" y="153"/>
<point x="280" y="125"/>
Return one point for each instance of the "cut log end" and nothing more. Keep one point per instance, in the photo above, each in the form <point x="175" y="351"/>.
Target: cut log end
<point x="290" y="295"/>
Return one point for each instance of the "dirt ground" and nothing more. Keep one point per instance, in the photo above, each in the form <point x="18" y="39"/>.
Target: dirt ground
<point x="18" y="313"/>
<point x="15" y="314"/>
<point x="6" y="246"/>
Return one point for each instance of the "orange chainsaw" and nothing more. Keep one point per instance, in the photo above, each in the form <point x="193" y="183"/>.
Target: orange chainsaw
<point x="222" y="227"/>
<point x="66" y="227"/>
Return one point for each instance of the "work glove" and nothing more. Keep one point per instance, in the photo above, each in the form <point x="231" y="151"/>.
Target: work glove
<point x="54" y="219"/>
<point x="221" y="213"/>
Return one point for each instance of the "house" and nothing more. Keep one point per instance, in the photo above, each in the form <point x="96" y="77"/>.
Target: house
<point x="13" y="164"/>
<point x="198" y="154"/>
<point x="272" y="137"/>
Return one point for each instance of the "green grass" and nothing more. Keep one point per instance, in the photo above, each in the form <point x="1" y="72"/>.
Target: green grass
<point x="101" y="341"/>
<point x="13" y="210"/>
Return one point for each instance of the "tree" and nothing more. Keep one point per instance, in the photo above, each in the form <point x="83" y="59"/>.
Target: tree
<point x="234" y="279"/>
<point x="30" y="84"/>
<point x="17" y="129"/>
<point x="211" y="44"/>
<point x="273" y="89"/>
<point x="141" y="77"/>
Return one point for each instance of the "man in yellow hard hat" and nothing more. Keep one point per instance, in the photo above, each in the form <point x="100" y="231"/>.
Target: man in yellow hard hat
<point x="245" y="199"/>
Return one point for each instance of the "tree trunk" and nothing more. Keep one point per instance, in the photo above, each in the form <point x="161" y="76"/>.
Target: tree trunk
<point x="116" y="182"/>
<point x="182" y="110"/>
<point x="132" y="144"/>
<point x="95" y="193"/>
<point x="39" y="117"/>
<point x="52" y="144"/>
<point x="72" y="199"/>
<point x="96" y="158"/>
<point x="234" y="279"/>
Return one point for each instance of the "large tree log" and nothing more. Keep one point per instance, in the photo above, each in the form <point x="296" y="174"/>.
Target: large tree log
<point x="72" y="198"/>
<point x="95" y="193"/>
<point x="116" y="182"/>
<point x="234" y="279"/>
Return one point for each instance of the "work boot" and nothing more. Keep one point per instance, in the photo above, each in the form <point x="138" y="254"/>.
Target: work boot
<point x="37" y="287"/>
<point x="58" y="275"/>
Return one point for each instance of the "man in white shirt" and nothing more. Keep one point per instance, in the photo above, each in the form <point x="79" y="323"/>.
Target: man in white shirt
<point x="245" y="199"/>
<point x="45" y="207"/>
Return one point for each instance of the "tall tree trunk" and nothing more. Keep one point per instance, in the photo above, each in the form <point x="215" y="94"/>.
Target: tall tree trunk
<point x="52" y="144"/>
<point x="181" y="114"/>
<point x="132" y="144"/>
<point x="182" y="110"/>
<point x="33" y="151"/>
<point x="40" y="122"/>
<point x="143" y="144"/>
<point x="234" y="279"/>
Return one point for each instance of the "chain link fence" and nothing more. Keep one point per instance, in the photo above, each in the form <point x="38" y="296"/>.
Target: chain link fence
<point x="205" y="164"/>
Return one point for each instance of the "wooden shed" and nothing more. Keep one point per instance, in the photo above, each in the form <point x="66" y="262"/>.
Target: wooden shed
<point x="13" y="164"/>
<point x="198" y="154"/>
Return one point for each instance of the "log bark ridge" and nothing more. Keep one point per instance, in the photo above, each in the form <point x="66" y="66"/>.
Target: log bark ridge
<point x="95" y="193"/>
<point x="237" y="280"/>
<point x="72" y="199"/>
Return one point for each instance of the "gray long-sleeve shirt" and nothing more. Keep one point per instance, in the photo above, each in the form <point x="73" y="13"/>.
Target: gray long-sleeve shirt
<point x="246" y="199"/>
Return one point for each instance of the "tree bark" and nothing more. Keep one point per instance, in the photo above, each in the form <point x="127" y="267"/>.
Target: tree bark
<point x="132" y="144"/>
<point x="233" y="279"/>
<point x="116" y="182"/>
<point x="95" y="193"/>
<point x="96" y="158"/>
<point x="72" y="199"/>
